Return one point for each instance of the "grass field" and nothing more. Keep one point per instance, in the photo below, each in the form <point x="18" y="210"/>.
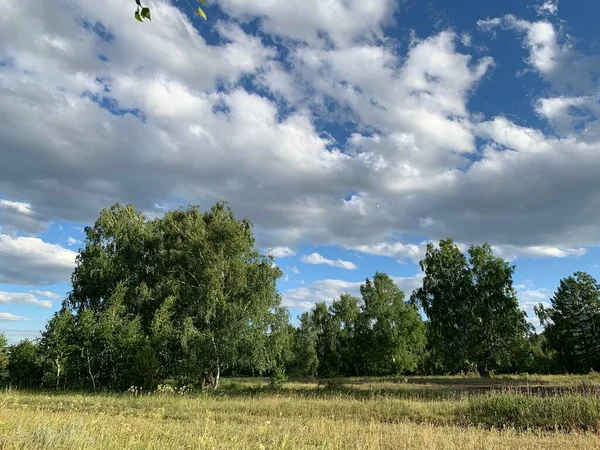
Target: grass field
<point x="425" y="413"/>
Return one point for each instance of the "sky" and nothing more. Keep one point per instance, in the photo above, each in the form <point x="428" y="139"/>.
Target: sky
<point x="350" y="132"/>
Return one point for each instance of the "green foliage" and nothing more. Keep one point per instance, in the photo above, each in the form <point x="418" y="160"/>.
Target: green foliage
<point x="573" y="322"/>
<point x="3" y="359"/>
<point x="57" y="344"/>
<point x="190" y="285"/>
<point x="475" y="322"/>
<point x="187" y="297"/>
<point x="278" y="378"/>
<point x="533" y="355"/>
<point x="146" y="366"/>
<point x="143" y="12"/>
<point x="305" y="362"/>
<point x="201" y="13"/>
<point x="379" y="334"/>
<point x="391" y="332"/>
<point x="25" y="365"/>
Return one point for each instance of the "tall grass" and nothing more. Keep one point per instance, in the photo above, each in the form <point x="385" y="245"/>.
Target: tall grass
<point x="356" y="413"/>
<point x="564" y="412"/>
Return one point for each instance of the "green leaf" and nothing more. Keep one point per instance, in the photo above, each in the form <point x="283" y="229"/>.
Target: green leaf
<point x="137" y="16"/>
<point x="201" y="13"/>
<point x="146" y="13"/>
<point x="202" y="1"/>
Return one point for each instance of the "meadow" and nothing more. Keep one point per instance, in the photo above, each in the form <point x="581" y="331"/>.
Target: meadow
<point x="520" y="412"/>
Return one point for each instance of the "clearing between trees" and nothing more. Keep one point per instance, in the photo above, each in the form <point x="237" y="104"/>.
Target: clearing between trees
<point x="521" y="412"/>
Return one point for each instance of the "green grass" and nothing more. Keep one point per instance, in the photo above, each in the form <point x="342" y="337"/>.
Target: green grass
<point x="435" y="412"/>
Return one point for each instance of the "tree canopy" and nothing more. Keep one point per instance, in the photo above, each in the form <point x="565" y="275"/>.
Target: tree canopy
<point x="187" y="290"/>
<point x="379" y="334"/>
<point x="186" y="297"/>
<point x="573" y="322"/>
<point x="474" y="317"/>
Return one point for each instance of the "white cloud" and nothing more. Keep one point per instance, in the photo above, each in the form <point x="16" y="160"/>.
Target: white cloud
<point x="281" y="252"/>
<point x="295" y="270"/>
<point x="551" y="51"/>
<point x="316" y="259"/>
<point x="395" y="250"/>
<point x="304" y="298"/>
<point x="14" y="335"/>
<point x="540" y="39"/>
<point x="308" y="20"/>
<point x="22" y="298"/>
<point x="413" y="164"/>
<point x="31" y="261"/>
<point x="72" y="241"/>
<point x="8" y="317"/>
<point x="512" y="252"/>
<point x="46" y="294"/>
<point x="466" y="39"/>
<point x="19" y="216"/>
<point x="409" y="284"/>
<point x="529" y="297"/>
<point x="549" y="7"/>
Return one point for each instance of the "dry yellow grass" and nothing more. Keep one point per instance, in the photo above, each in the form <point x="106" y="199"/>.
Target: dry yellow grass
<point x="267" y="421"/>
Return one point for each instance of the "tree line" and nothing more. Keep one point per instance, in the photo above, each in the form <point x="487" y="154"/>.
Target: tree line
<point x="187" y="297"/>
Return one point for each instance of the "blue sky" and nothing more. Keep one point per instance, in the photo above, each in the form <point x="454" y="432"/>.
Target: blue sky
<point x="351" y="133"/>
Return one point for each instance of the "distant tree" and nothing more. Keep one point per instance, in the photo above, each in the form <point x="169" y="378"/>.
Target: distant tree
<point x="25" y="365"/>
<point x="573" y="322"/>
<point x="533" y="355"/>
<point x="3" y="358"/>
<point x="391" y="334"/>
<point x="119" y="337"/>
<point x="346" y="311"/>
<point x="379" y="334"/>
<point x="305" y="362"/>
<point x="474" y="317"/>
<point x="57" y="343"/>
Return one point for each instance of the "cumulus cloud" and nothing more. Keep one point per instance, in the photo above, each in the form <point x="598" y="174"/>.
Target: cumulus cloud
<point x="46" y="294"/>
<point x="281" y="252"/>
<point x="540" y="39"/>
<point x="529" y="296"/>
<point x="151" y="120"/>
<point x="304" y="298"/>
<point x="72" y="241"/>
<point x="313" y="20"/>
<point x="31" y="261"/>
<point x="549" y="7"/>
<point x="295" y="270"/>
<point x="512" y="252"/>
<point x="551" y="52"/>
<point x="395" y="249"/>
<point x="19" y="216"/>
<point x="22" y="298"/>
<point x="8" y="317"/>
<point x="316" y="259"/>
<point x="16" y="335"/>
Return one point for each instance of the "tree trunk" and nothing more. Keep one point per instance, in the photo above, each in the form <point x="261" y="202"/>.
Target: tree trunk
<point x="212" y="379"/>
<point x="482" y="368"/>
<point x="90" y="371"/>
<point x="57" y="362"/>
